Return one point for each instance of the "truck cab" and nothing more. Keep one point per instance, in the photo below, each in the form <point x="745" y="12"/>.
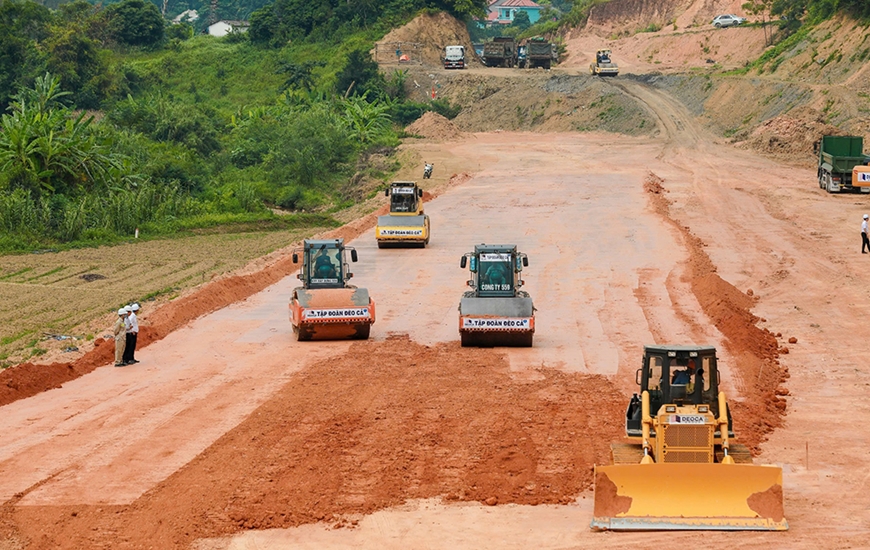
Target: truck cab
<point x="454" y="57"/>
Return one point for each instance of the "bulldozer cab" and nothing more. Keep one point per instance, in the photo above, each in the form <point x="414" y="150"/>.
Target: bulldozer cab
<point x="324" y="263"/>
<point x="495" y="270"/>
<point x="677" y="375"/>
<point x="405" y="198"/>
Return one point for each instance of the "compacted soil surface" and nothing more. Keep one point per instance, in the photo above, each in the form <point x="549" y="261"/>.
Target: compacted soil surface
<point x="230" y="434"/>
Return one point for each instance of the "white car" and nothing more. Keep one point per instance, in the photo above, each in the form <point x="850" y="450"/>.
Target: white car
<point x="722" y="21"/>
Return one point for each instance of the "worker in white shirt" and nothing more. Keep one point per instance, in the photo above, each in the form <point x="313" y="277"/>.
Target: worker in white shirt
<point x="132" y="326"/>
<point x="120" y="338"/>
<point x="865" y="242"/>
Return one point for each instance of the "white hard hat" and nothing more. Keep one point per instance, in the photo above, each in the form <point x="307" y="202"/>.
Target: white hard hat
<point x="122" y="311"/>
<point x="135" y="307"/>
<point x="866" y="216"/>
<point x="128" y="309"/>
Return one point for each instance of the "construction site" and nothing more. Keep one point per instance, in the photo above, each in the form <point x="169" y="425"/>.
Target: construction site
<point x="668" y="212"/>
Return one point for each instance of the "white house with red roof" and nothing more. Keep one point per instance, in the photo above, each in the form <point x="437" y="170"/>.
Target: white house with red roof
<point x="502" y="12"/>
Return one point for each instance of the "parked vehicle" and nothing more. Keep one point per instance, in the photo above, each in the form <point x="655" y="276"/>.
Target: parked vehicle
<point x="500" y="52"/>
<point x="839" y="156"/>
<point x="539" y="53"/>
<point x="454" y="57"/>
<point x="727" y="20"/>
<point x="427" y="170"/>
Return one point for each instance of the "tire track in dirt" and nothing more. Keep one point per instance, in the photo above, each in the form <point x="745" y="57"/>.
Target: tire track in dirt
<point x="755" y="350"/>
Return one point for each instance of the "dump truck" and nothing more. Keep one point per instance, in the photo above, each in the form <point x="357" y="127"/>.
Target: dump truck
<point x="501" y="51"/>
<point x="681" y="468"/>
<point x="454" y="57"/>
<point x="838" y="156"/>
<point x="603" y="65"/>
<point x="539" y="53"/>
<point x="326" y="307"/>
<point x="495" y="312"/>
<point x="406" y="224"/>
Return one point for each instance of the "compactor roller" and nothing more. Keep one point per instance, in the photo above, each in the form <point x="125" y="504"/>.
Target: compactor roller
<point x="495" y="312"/>
<point x="326" y="307"/>
<point x="406" y="224"/>
<point x="680" y="468"/>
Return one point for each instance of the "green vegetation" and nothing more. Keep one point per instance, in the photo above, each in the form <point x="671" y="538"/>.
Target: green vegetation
<point x="115" y="121"/>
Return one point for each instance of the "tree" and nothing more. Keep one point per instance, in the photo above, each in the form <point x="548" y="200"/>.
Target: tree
<point x="75" y="59"/>
<point x="762" y="7"/>
<point x="135" y="23"/>
<point x="45" y="149"/>
<point x="23" y="25"/>
<point x="359" y="76"/>
<point x="521" y="20"/>
<point x="299" y="74"/>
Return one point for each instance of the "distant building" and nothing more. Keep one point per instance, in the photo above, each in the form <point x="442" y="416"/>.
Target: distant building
<point x="188" y="16"/>
<point x="502" y="12"/>
<point x="223" y="28"/>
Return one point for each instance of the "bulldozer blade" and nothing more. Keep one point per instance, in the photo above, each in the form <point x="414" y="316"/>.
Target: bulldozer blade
<point x="688" y="496"/>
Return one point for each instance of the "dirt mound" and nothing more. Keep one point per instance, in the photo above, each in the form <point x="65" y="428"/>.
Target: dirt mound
<point x="423" y="40"/>
<point x="434" y="126"/>
<point x="382" y="424"/>
<point x="791" y="135"/>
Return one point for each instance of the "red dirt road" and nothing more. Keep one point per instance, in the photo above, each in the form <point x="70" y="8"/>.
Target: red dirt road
<point x="408" y="440"/>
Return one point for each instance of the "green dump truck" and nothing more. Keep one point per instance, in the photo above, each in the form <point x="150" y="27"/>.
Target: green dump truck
<point x="539" y="53"/>
<point x="838" y="158"/>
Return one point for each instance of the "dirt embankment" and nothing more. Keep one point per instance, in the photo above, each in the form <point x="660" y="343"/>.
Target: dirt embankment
<point x="755" y="349"/>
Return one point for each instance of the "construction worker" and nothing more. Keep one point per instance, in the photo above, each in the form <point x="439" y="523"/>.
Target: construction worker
<point x="323" y="266"/>
<point x="132" y="329"/>
<point x="496" y="274"/>
<point x="120" y="332"/>
<point x="865" y="243"/>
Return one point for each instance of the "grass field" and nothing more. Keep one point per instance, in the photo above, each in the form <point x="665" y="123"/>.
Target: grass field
<point x="75" y="292"/>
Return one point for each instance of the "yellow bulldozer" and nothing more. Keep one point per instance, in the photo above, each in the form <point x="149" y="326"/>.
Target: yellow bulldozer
<point x="406" y="224"/>
<point x="681" y="468"/>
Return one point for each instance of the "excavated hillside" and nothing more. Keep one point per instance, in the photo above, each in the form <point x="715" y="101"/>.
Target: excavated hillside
<point x="819" y="84"/>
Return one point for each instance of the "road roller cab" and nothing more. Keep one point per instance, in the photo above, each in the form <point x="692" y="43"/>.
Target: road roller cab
<point x="326" y="306"/>
<point x="680" y="467"/>
<point x="495" y="312"/>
